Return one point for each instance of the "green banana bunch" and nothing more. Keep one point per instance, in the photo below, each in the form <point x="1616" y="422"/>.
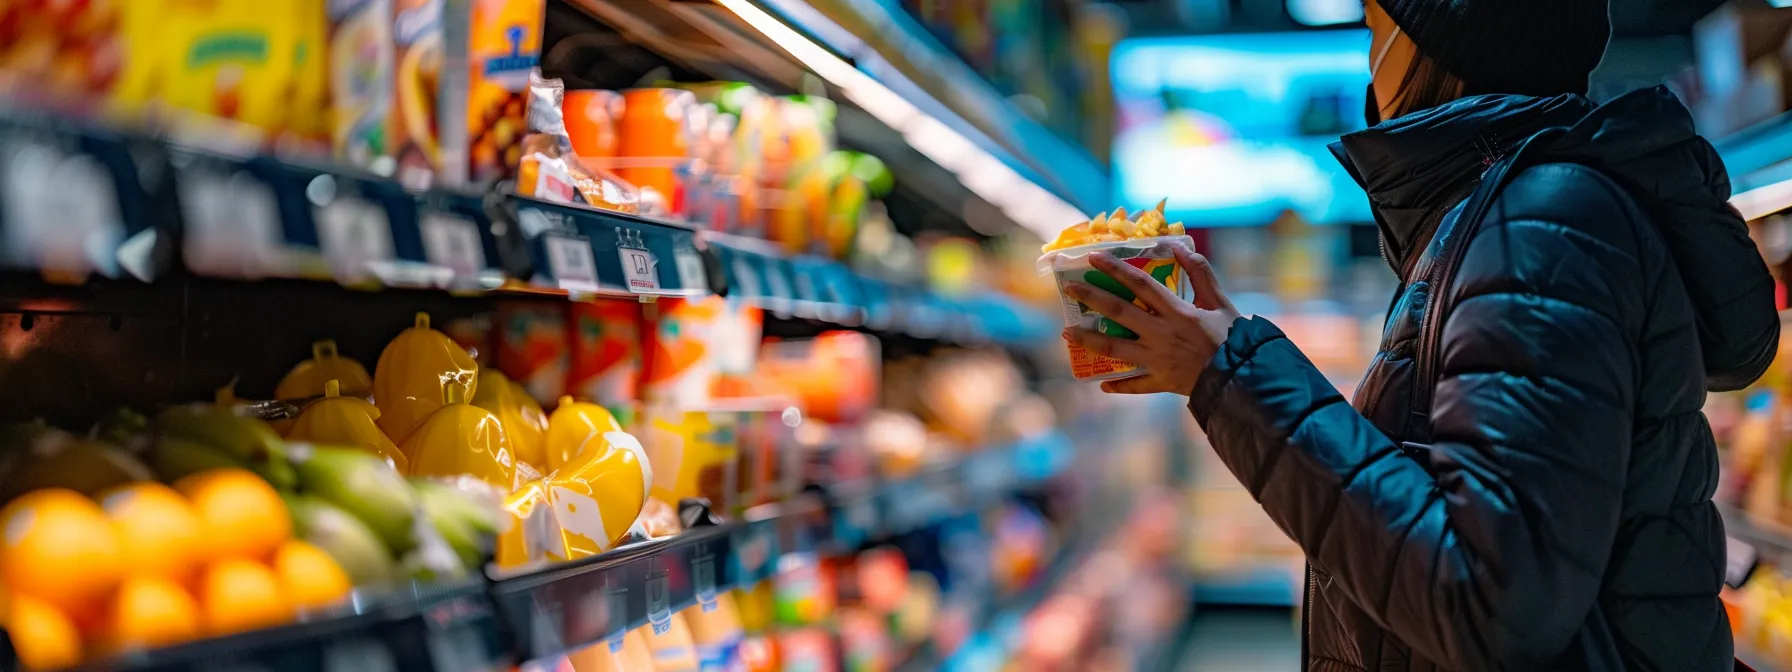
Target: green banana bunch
<point x="198" y="437"/>
<point x="357" y="549"/>
<point x="469" y="529"/>
<point x="37" y="456"/>
<point x="363" y="485"/>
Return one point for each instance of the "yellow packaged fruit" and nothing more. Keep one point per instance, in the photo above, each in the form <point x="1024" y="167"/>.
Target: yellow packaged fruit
<point x="415" y="373"/>
<point x="524" y="423"/>
<point x="461" y="439"/>
<point x="308" y="378"/>
<point x="346" y="421"/>
<point x="597" y="495"/>
<point x="59" y="547"/>
<point x="573" y="428"/>
<point x="528" y="533"/>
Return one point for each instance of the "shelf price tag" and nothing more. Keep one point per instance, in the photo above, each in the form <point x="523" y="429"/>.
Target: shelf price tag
<point x="452" y="242"/>
<point x="233" y="223"/>
<point x="62" y="210"/>
<point x="571" y="261"/>
<point x="691" y="275"/>
<point x="640" y="270"/>
<point x="354" y="233"/>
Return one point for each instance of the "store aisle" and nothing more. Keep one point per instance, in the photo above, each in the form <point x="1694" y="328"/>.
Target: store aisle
<point x="1241" y="640"/>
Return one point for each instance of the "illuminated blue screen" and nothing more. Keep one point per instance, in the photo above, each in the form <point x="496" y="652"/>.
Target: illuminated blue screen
<point x="1233" y="128"/>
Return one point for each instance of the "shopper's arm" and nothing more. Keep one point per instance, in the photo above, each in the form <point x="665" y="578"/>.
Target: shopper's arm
<point x="1487" y="552"/>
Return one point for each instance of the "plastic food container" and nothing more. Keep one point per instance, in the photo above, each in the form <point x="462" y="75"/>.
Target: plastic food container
<point x="1156" y="256"/>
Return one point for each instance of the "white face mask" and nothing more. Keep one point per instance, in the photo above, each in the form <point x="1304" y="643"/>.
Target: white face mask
<point x="1375" y="66"/>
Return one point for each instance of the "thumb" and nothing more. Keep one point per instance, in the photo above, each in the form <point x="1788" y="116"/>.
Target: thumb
<point x="1206" y="283"/>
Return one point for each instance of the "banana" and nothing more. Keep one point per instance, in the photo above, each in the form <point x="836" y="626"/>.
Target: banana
<point x="357" y="549"/>
<point x="467" y="527"/>
<point x="174" y="458"/>
<point x="77" y="463"/>
<point x="247" y="438"/>
<point x="363" y="485"/>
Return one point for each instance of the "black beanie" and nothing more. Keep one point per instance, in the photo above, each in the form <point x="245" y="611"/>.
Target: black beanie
<point x="1527" y="47"/>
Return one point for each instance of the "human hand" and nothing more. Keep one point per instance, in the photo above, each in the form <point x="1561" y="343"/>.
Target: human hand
<point x="1176" y="338"/>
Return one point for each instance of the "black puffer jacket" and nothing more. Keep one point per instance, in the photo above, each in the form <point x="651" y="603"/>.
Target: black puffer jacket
<point x="1558" y="513"/>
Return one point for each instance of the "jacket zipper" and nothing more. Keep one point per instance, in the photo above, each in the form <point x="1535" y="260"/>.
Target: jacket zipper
<point x="1306" y="620"/>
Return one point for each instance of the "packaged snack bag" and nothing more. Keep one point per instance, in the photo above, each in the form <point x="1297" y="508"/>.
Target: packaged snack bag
<point x="361" y="52"/>
<point x="417" y="34"/>
<point x="491" y="47"/>
<point x="1146" y="243"/>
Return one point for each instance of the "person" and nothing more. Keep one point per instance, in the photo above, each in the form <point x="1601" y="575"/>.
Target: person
<point x="1551" y="508"/>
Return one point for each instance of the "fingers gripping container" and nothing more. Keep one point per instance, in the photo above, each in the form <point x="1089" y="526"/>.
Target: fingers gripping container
<point x="1155" y="256"/>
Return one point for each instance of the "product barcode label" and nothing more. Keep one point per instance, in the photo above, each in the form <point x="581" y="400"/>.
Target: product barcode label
<point x="571" y="261"/>
<point x="453" y="242"/>
<point x="640" y="271"/>
<point x="354" y="232"/>
<point x="691" y="275"/>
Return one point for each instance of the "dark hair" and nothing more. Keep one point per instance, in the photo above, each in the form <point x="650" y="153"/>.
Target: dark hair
<point x="1426" y="85"/>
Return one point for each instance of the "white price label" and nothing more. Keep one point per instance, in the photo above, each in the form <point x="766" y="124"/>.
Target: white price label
<point x="453" y="242"/>
<point x="63" y="210"/>
<point x="354" y="233"/>
<point x="776" y="283"/>
<point x="571" y="262"/>
<point x="233" y="223"/>
<point x="640" y="270"/>
<point x="691" y="275"/>
<point x="746" y="282"/>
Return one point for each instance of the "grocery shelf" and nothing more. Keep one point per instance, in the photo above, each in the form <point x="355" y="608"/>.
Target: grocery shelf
<point x="255" y="217"/>
<point x="539" y="613"/>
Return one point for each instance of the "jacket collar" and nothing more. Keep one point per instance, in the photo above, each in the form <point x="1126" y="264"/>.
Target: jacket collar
<point x="1418" y="165"/>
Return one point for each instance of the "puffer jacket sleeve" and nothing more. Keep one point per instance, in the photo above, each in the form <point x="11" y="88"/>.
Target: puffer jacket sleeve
<point x="1486" y="551"/>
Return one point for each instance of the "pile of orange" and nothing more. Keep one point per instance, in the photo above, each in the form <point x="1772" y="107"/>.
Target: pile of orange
<point x="148" y="566"/>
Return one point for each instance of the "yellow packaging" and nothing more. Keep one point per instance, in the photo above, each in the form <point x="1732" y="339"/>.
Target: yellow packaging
<point x="492" y="45"/>
<point x="360" y="71"/>
<point x="529" y="533"/>
<point x="228" y="59"/>
<point x="673" y="648"/>
<point x="599" y="493"/>
<point x="693" y="453"/>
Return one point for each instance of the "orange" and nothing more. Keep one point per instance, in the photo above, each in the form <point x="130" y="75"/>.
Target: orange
<point x="241" y="515"/>
<point x="311" y="578"/>
<point x="236" y="595"/>
<point x="59" y="547"/>
<point x="43" y="636"/>
<point x="157" y="530"/>
<point x="150" y="611"/>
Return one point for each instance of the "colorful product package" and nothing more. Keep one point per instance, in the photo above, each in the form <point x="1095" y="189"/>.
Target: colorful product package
<point x="492" y="47"/>
<point x="680" y="349"/>
<point x="226" y="60"/>
<point x="694" y="455"/>
<point x="532" y="346"/>
<point x="606" y="354"/>
<point x="1155" y="256"/>
<point x="361" y="53"/>
<point x="420" y="52"/>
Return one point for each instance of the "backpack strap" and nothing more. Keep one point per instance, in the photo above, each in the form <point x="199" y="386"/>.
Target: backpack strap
<point x="1443" y="273"/>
